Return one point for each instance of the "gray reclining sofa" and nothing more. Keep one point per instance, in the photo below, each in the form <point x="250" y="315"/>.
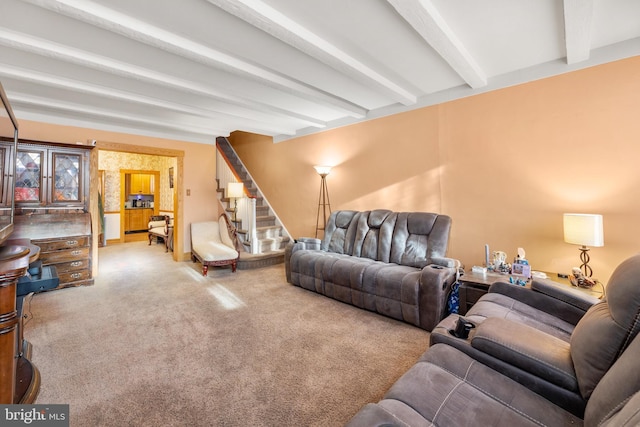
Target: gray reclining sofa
<point x="528" y="361"/>
<point x="545" y="335"/>
<point x="392" y="263"/>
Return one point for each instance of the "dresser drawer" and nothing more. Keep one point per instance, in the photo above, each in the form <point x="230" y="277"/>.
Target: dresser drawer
<point x="73" y="276"/>
<point x="67" y="243"/>
<point x="67" y="255"/>
<point x="79" y="264"/>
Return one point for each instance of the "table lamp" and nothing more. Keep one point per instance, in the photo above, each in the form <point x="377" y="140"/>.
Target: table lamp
<point x="235" y="190"/>
<point x="585" y="230"/>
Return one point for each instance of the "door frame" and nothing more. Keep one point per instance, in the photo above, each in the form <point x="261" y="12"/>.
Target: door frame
<point x="178" y="202"/>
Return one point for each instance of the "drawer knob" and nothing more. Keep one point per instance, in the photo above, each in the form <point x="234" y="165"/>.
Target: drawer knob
<point x="75" y="275"/>
<point x="72" y="242"/>
<point x="76" y="264"/>
<point x="76" y="252"/>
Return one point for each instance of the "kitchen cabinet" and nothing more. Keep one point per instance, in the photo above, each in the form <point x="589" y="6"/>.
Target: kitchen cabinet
<point x="51" y="175"/>
<point x="142" y="183"/>
<point x="137" y="219"/>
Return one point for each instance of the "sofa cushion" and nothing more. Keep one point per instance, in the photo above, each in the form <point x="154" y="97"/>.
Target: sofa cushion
<point x="415" y="241"/>
<point x="502" y="306"/>
<point x="448" y="388"/>
<point x="374" y="230"/>
<point x="339" y="232"/>
<point x="527" y="348"/>
<point x="619" y="385"/>
<point x="608" y="327"/>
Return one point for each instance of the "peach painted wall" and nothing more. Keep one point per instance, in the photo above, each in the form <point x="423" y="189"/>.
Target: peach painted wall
<point x="198" y="174"/>
<point x="504" y="165"/>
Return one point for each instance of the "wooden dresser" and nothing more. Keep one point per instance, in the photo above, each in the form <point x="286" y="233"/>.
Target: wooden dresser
<point x="64" y="241"/>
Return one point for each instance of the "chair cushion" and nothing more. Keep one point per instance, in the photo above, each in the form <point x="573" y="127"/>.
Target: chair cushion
<point x="159" y="231"/>
<point x="206" y="242"/>
<point x="154" y="224"/>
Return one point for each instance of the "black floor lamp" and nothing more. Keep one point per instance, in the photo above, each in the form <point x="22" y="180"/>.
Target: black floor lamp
<point x="323" y="198"/>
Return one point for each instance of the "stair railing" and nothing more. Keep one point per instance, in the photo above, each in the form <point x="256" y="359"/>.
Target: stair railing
<point x="250" y="216"/>
<point x="246" y="213"/>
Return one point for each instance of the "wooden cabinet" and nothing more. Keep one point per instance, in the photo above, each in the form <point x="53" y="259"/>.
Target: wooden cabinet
<point x="6" y="171"/>
<point x="137" y="219"/>
<point x="51" y="175"/>
<point x="64" y="241"/>
<point x="142" y="183"/>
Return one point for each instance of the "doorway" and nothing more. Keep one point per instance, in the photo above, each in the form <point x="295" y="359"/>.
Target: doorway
<point x="118" y="160"/>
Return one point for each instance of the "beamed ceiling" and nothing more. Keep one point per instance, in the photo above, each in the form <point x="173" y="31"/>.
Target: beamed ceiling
<point x="196" y="69"/>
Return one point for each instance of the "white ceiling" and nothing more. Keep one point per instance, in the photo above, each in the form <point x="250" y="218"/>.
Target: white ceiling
<point x="196" y="69"/>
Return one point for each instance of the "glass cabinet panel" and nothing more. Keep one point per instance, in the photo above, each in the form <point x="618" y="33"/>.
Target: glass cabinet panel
<point x="28" y="176"/>
<point x="66" y="177"/>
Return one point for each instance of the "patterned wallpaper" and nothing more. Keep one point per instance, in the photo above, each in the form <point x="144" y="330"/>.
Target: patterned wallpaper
<point x="112" y="162"/>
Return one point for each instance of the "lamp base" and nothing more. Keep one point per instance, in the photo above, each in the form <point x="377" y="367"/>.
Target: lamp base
<point x="584" y="257"/>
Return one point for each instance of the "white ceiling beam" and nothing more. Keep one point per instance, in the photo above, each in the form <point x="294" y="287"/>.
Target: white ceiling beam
<point x="265" y="123"/>
<point x="43" y="47"/>
<point x="135" y="29"/>
<point x="276" y="24"/>
<point x="425" y="19"/>
<point x="578" y="17"/>
<point x="21" y="100"/>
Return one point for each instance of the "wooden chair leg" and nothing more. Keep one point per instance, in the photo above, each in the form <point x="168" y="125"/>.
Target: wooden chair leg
<point x="234" y="264"/>
<point x="205" y="268"/>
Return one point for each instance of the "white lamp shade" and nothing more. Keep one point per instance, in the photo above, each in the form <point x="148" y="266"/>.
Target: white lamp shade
<point x="583" y="229"/>
<point x="235" y="190"/>
<point x="323" y="170"/>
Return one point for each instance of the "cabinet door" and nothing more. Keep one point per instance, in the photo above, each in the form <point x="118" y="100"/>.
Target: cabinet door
<point x="136" y="187"/>
<point x="141" y="183"/>
<point x="137" y="220"/>
<point x="66" y="177"/>
<point x="29" y="176"/>
<point x="5" y="153"/>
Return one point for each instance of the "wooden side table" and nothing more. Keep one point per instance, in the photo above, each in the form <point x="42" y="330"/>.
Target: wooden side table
<point x="474" y="285"/>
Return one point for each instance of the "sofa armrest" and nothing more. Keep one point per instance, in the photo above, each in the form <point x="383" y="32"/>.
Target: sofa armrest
<point x="529" y="349"/>
<point x="302" y="243"/>
<point x="435" y="286"/>
<point x="558" y="300"/>
<point x="569" y="295"/>
<point x="309" y="243"/>
<point x="444" y="261"/>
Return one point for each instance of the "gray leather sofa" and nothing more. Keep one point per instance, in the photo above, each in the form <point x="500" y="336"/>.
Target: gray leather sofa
<point x="449" y="388"/>
<point x="392" y="263"/>
<point x="554" y="340"/>
<point x="528" y="362"/>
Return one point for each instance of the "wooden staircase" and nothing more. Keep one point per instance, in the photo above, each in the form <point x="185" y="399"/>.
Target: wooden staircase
<point x="270" y="237"/>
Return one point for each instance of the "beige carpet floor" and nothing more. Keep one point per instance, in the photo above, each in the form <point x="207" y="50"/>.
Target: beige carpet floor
<point x="153" y="343"/>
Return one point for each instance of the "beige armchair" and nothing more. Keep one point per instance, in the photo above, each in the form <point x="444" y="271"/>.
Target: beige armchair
<point x="160" y="227"/>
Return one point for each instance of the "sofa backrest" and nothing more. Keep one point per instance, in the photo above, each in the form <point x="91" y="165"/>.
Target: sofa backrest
<point x="418" y="237"/>
<point x="608" y="327"/>
<point x="405" y="238"/>
<point x="339" y="232"/>
<point x="373" y="234"/>
<point x="616" y="399"/>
